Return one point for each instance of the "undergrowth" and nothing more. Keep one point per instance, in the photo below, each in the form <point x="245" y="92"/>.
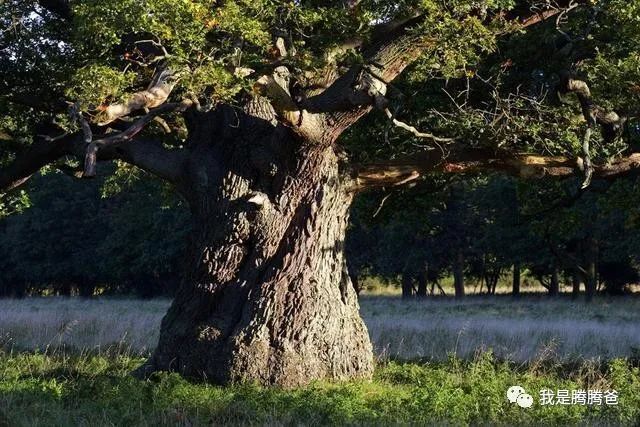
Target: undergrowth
<point x="60" y="389"/>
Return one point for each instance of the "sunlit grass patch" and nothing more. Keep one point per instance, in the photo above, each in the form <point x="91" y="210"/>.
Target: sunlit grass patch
<point x="41" y="389"/>
<point x="67" y="362"/>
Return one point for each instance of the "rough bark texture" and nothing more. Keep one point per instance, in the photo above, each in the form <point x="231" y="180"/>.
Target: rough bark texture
<point x="269" y="298"/>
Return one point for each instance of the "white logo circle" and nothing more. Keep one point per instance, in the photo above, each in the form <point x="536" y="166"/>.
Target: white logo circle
<point x="525" y="400"/>
<point x="513" y="392"/>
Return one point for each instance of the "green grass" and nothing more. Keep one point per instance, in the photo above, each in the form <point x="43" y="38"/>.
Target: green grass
<point x="61" y="390"/>
<point x="65" y="362"/>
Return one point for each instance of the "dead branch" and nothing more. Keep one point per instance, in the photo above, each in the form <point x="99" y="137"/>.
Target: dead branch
<point x="93" y="147"/>
<point x="413" y="130"/>
<point x="155" y="95"/>
<point x="611" y="124"/>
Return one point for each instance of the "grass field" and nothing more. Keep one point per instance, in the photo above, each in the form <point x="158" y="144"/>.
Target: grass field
<point x="432" y="329"/>
<point x="66" y="362"/>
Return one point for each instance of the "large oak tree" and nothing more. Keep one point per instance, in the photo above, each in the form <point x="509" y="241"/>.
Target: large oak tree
<point x="240" y="106"/>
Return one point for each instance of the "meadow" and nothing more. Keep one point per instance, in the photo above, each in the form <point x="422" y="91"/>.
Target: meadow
<point x="65" y="361"/>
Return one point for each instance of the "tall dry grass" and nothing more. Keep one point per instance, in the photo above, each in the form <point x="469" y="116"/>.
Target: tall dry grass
<point x="519" y="330"/>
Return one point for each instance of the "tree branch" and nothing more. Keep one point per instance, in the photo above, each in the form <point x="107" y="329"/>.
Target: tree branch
<point x="413" y="129"/>
<point x="42" y="152"/>
<point x="350" y="96"/>
<point x="143" y="153"/>
<point x="93" y="147"/>
<point x="150" y="156"/>
<point x="391" y="55"/>
<point x="275" y="87"/>
<point x="155" y="95"/>
<point x="469" y="160"/>
<point x="611" y="124"/>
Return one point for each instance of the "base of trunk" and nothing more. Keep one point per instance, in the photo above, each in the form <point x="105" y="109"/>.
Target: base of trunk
<point x="314" y="335"/>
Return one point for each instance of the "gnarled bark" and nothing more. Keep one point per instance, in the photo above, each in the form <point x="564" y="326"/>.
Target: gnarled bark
<point x="268" y="297"/>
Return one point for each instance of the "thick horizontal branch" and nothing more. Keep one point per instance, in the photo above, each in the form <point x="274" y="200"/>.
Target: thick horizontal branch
<point x="93" y="147"/>
<point x="42" y="152"/>
<point x="146" y="154"/>
<point x="469" y="160"/>
<point x="150" y="156"/>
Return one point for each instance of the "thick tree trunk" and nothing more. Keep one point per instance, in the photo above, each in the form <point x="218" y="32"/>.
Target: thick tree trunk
<point x="269" y="298"/>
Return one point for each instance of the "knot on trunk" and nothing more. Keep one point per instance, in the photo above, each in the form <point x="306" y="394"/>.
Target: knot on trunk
<point x="370" y="89"/>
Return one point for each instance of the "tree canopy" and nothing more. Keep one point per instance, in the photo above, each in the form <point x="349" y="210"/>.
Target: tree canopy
<point x="470" y="83"/>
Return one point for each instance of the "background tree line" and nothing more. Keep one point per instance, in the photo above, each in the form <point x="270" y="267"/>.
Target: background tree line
<point x="95" y="238"/>
<point x="484" y="229"/>
<point x="477" y="231"/>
